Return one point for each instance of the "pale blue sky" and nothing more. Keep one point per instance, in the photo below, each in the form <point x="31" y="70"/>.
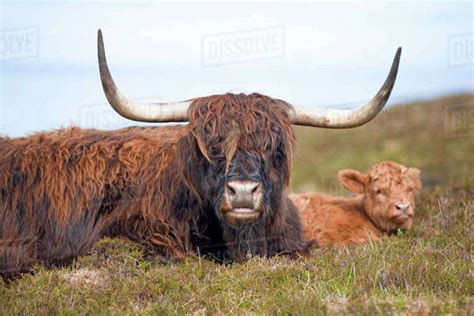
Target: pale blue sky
<point x="328" y="54"/>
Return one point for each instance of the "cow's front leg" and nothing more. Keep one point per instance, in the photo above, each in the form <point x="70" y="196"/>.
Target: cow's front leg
<point x="284" y="235"/>
<point x="166" y="242"/>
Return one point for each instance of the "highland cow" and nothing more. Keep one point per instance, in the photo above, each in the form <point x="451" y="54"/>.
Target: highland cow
<point x="384" y="204"/>
<point x="216" y="186"/>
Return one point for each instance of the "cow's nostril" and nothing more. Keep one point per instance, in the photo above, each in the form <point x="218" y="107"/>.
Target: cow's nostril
<point x="255" y="189"/>
<point x="402" y="207"/>
<point x="230" y="189"/>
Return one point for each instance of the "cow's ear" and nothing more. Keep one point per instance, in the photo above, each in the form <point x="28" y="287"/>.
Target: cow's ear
<point x="414" y="175"/>
<point x="353" y="180"/>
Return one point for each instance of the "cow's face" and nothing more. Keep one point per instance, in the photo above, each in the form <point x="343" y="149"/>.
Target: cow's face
<point x="389" y="190"/>
<point x="242" y="147"/>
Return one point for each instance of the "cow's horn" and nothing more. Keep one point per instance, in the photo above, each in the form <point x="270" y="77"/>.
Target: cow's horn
<point x="333" y="118"/>
<point x="143" y="112"/>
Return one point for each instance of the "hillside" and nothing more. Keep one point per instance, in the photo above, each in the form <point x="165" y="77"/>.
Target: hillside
<point x="435" y="136"/>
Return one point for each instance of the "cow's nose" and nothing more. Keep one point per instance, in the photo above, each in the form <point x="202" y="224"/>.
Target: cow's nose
<point x="403" y="207"/>
<point x="243" y="193"/>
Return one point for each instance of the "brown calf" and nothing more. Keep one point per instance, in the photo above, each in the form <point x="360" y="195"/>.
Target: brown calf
<point x="384" y="204"/>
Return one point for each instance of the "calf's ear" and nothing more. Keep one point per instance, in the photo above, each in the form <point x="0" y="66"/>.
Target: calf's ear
<point x="414" y="175"/>
<point x="353" y="180"/>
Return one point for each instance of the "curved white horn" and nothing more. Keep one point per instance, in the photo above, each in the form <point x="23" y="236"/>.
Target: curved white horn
<point x="143" y="112"/>
<point x="333" y="118"/>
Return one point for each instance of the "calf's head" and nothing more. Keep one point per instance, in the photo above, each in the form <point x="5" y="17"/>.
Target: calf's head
<point x="388" y="190"/>
<point x="238" y="150"/>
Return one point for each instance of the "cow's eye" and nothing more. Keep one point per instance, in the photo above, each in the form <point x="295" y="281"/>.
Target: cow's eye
<point x="378" y="191"/>
<point x="278" y="155"/>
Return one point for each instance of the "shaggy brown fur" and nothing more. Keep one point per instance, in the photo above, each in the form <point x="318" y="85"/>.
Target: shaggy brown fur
<point x="338" y="221"/>
<point x="161" y="187"/>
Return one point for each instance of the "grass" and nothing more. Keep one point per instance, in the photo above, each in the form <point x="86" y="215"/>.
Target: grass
<point x="427" y="271"/>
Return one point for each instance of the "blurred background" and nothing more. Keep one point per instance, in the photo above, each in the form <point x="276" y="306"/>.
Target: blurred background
<point x="319" y="54"/>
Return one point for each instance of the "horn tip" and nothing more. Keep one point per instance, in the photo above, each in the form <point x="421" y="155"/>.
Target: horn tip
<point x="100" y="40"/>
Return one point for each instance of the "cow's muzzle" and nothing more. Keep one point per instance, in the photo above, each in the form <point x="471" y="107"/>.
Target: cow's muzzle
<point x="242" y="202"/>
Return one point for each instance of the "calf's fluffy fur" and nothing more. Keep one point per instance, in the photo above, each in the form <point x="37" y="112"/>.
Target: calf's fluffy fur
<point x="384" y="203"/>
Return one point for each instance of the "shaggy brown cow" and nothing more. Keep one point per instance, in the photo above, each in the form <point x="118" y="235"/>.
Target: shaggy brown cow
<point x="385" y="203"/>
<point x="215" y="186"/>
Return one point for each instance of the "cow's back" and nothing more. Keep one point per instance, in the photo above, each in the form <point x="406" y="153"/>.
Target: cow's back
<point x="57" y="189"/>
<point x="333" y="221"/>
